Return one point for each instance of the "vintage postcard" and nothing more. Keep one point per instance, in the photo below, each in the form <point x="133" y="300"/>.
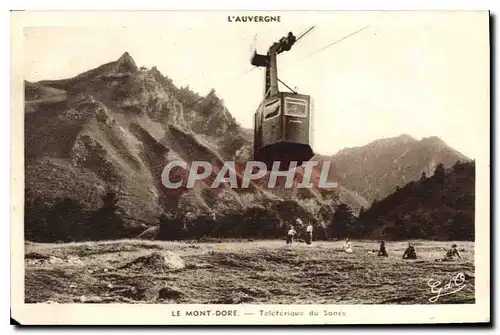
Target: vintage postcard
<point x="239" y="167"/>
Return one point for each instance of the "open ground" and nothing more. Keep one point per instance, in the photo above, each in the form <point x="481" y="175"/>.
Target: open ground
<point x="251" y="272"/>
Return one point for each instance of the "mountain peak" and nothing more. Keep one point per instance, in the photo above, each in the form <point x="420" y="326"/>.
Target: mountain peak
<point x="433" y="139"/>
<point x="405" y="137"/>
<point x="126" y="63"/>
<point x="126" y="55"/>
<point x="392" y="141"/>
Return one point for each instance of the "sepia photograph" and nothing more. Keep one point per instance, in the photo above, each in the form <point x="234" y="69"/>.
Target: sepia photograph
<point x="260" y="160"/>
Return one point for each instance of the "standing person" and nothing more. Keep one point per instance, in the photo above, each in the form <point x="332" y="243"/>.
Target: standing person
<point x="382" y="251"/>
<point x="290" y="235"/>
<point x="309" y="233"/>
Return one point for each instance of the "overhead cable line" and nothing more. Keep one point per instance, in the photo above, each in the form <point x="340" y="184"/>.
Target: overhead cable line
<point x="329" y="45"/>
<point x="301" y="35"/>
<point x="304" y="34"/>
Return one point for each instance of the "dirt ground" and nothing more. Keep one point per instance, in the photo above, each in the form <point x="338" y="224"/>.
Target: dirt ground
<point x="255" y="272"/>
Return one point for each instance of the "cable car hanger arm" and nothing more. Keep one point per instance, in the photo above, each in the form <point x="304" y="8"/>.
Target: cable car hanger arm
<point x="291" y="89"/>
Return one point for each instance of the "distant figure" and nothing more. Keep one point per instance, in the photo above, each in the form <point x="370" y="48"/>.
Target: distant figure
<point x="347" y="246"/>
<point x="410" y="252"/>
<point x="290" y="235"/>
<point x="309" y="232"/>
<point x="382" y="251"/>
<point x="451" y="254"/>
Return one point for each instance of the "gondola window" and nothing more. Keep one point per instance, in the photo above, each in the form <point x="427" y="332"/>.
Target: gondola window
<point x="295" y="107"/>
<point x="272" y="109"/>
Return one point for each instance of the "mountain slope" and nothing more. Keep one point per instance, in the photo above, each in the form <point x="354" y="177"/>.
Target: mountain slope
<point x="438" y="207"/>
<point x="116" y="127"/>
<point x="375" y="170"/>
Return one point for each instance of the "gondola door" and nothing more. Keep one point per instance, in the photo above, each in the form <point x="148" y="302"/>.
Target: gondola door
<point x="296" y="118"/>
<point x="271" y="121"/>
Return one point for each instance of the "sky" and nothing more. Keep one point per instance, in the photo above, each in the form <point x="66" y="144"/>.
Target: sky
<point x="417" y="73"/>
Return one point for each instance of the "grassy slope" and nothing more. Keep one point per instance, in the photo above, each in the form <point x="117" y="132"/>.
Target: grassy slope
<point x="251" y="272"/>
<point x="428" y="202"/>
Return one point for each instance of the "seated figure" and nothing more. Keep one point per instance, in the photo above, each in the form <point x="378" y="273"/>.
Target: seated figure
<point x="451" y="254"/>
<point x="410" y="252"/>
<point x="347" y="246"/>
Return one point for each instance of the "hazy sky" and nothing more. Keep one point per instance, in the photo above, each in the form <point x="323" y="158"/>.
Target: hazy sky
<point x="423" y="74"/>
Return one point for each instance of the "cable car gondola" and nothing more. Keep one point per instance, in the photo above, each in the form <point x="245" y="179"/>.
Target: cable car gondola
<point x="282" y="120"/>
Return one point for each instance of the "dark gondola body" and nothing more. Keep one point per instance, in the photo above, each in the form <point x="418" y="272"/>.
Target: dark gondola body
<point x="282" y="120"/>
<point x="282" y="130"/>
